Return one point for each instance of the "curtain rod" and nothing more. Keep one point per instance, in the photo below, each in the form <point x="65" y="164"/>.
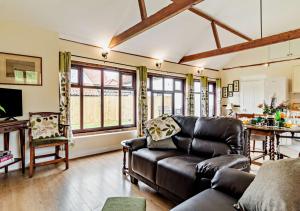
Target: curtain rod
<point x="128" y="65"/>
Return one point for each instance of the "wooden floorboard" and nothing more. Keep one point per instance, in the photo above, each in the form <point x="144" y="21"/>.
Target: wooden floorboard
<point x="85" y="186"/>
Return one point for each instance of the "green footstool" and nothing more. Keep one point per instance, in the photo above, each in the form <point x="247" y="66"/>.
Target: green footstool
<point x="124" y="204"/>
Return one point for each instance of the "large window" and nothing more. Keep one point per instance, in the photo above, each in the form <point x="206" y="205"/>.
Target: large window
<point x="165" y="96"/>
<point x="197" y="98"/>
<point x="102" y="98"/>
<point x="212" y="99"/>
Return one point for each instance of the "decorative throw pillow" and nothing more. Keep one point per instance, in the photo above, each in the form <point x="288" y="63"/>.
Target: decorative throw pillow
<point x="276" y="187"/>
<point x="44" y="127"/>
<point x="161" y="144"/>
<point x="162" y="127"/>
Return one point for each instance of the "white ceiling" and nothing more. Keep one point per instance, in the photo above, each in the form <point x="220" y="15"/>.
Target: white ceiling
<point x="97" y="21"/>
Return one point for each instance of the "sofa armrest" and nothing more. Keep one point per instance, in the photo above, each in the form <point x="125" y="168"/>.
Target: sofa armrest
<point x="209" y="167"/>
<point x="136" y="143"/>
<point x="232" y="181"/>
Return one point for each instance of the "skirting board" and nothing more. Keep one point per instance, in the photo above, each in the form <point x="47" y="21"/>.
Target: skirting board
<point x="93" y="151"/>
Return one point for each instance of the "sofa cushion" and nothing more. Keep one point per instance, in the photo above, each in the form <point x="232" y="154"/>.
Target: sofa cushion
<point x="183" y="143"/>
<point x="209" y="148"/>
<point x="208" y="200"/>
<point x="187" y="125"/>
<point x="178" y="175"/>
<point x="144" y="161"/>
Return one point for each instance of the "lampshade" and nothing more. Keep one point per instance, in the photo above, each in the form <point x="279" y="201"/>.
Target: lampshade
<point x="229" y="106"/>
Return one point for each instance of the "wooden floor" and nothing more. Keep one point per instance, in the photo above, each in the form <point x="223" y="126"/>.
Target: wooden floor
<point x="85" y="186"/>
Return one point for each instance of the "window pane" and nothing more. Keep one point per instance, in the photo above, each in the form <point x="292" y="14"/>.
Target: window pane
<point x="91" y="77"/>
<point x="74" y="76"/>
<point x="75" y="108"/>
<point x="149" y="104"/>
<point x="157" y="83"/>
<point x="127" y="107"/>
<point x="111" y="78"/>
<point x="211" y="87"/>
<point x="127" y="81"/>
<point x="148" y="83"/>
<point x="111" y="107"/>
<point x="178" y="101"/>
<point x="169" y="84"/>
<point x="211" y="105"/>
<point x="178" y="85"/>
<point x="91" y="108"/>
<point x="157" y="104"/>
<point x="168" y="103"/>
<point x="197" y="86"/>
<point x="197" y="104"/>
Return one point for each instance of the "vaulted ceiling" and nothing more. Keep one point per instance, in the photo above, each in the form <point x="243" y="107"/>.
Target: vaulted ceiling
<point x="98" y="21"/>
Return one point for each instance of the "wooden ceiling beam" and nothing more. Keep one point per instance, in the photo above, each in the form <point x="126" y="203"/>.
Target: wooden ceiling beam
<point x="143" y="10"/>
<point x="216" y="35"/>
<point x="162" y="15"/>
<point x="278" y="38"/>
<point x="219" y="23"/>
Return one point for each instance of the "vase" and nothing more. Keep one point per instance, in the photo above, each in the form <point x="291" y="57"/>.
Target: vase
<point x="270" y="120"/>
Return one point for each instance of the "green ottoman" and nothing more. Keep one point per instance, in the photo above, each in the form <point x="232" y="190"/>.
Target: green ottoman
<point x="124" y="204"/>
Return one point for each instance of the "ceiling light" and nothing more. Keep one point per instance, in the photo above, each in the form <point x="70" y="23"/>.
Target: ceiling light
<point x="266" y="64"/>
<point x="105" y="52"/>
<point x="200" y="71"/>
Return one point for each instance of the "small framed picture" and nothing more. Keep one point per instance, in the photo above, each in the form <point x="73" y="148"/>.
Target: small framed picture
<point x="236" y="86"/>
<point x="230" y="94"/>
<point x="230" y="87"/>
<point x="224" y="92"/>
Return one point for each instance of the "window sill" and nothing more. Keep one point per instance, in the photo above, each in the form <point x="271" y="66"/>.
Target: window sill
<point x="104" y="132"/>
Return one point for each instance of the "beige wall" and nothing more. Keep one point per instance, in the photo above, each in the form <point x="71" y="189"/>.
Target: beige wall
<point x="31" y="40"/>
<point x="260" y="55"/>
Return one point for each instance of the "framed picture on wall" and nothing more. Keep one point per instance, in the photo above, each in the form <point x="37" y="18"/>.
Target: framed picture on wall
<point x="18" y="69"/>
<point x="230" y="87"/>
<point x="224" y="92"/>
<point x="236" y="86"/>
<point x="230" y="94"/>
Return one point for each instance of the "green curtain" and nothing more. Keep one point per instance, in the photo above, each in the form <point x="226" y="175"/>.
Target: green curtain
<point x="190" y="95"/>
<point x="142" y="99"/>
<point x="64" y="89"/>
<point x="219" y="96"/>
<point x="204" y="96"/>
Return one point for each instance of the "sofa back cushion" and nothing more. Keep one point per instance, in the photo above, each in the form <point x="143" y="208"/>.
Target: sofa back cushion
<point x="217" y="136"/>
<point x="183" y="139"/>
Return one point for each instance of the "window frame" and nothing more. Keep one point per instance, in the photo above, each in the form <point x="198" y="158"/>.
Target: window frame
<point x="80" y="66"/>
<point x="213" y="93"/>
<point x="163" y="92"/>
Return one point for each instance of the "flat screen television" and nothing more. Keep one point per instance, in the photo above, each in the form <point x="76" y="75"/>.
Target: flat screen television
<point x="11" y="101"/>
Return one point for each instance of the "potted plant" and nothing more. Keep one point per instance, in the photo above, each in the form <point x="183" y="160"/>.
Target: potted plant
<point x="2" y="109"/>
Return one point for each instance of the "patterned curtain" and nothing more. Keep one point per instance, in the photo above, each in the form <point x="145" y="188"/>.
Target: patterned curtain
<point x="64" y="89"/>
<point x="204" y="96"/>
<point x="142" y="99"/>
<point x="190" y="95"/>
<point x="219" y="96"/>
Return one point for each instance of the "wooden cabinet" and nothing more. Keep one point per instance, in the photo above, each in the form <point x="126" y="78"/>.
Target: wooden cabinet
<point x="296" y="79"/>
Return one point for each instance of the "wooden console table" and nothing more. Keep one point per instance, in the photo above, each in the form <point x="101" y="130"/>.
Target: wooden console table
<point x="6" y="127"/>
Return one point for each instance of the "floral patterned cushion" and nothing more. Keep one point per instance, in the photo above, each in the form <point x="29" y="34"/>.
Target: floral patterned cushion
<point x="44" y="127"/>
<point x="162" y="127"/>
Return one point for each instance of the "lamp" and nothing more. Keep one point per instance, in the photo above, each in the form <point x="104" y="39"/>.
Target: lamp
<point x="158" y="63"/>
<point x="229" y="109"/>
<point x="105" y="52"/>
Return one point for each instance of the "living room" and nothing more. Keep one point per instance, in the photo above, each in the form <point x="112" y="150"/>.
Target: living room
<point x="109" y="70"/>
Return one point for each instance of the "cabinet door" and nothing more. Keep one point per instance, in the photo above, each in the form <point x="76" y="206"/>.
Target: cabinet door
<point x="252" y="94"/>
<point x="296" y="79"/>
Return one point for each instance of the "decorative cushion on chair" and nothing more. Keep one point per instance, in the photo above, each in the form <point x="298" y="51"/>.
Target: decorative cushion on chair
<point x="44" y="127"/>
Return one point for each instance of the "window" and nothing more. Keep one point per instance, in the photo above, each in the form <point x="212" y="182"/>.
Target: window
<point x="197" y="98"/>
<point x="102" y="98"/>
<point x="165" y="96"/>
<point x="211" y="99"/>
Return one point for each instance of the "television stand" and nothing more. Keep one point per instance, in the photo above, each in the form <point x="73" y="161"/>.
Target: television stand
<point x="10" y="119"/>
<point x="10" y="126"/>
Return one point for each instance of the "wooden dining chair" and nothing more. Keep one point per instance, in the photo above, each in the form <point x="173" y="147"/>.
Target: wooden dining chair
<point x="44" y="131"/>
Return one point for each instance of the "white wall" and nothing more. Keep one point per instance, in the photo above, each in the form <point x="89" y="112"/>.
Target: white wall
<point x="31" y="40"/>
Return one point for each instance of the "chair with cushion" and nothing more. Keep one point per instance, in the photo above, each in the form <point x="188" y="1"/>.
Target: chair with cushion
<point x="45" y="130"/>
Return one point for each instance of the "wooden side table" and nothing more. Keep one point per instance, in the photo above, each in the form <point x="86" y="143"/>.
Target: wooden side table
<point x="6" y="127"/>
<point x="125" y="150"/>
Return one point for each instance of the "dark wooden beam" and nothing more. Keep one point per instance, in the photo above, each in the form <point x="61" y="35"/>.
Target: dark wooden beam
<point x="162" y="15"/>
<point x="216" y="35"/>
<point x="143" y="10"/>
<point x="219" y="23"/>
<point x="278" y="38"/>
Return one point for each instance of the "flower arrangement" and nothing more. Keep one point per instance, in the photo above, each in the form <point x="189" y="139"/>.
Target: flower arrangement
<point x="272" y="108"/>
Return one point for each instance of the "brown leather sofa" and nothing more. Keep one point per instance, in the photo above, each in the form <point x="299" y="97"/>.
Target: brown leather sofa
<point x="204" y="146"/>
<point x="228" y="185"/>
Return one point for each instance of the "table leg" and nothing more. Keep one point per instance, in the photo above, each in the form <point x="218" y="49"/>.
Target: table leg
<point x="22" y="145"/>
<point x="6" y="146"/>
<point x="248" y="143"/>
<point x="124" y="170"/>
<point x="272" y="148"/>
